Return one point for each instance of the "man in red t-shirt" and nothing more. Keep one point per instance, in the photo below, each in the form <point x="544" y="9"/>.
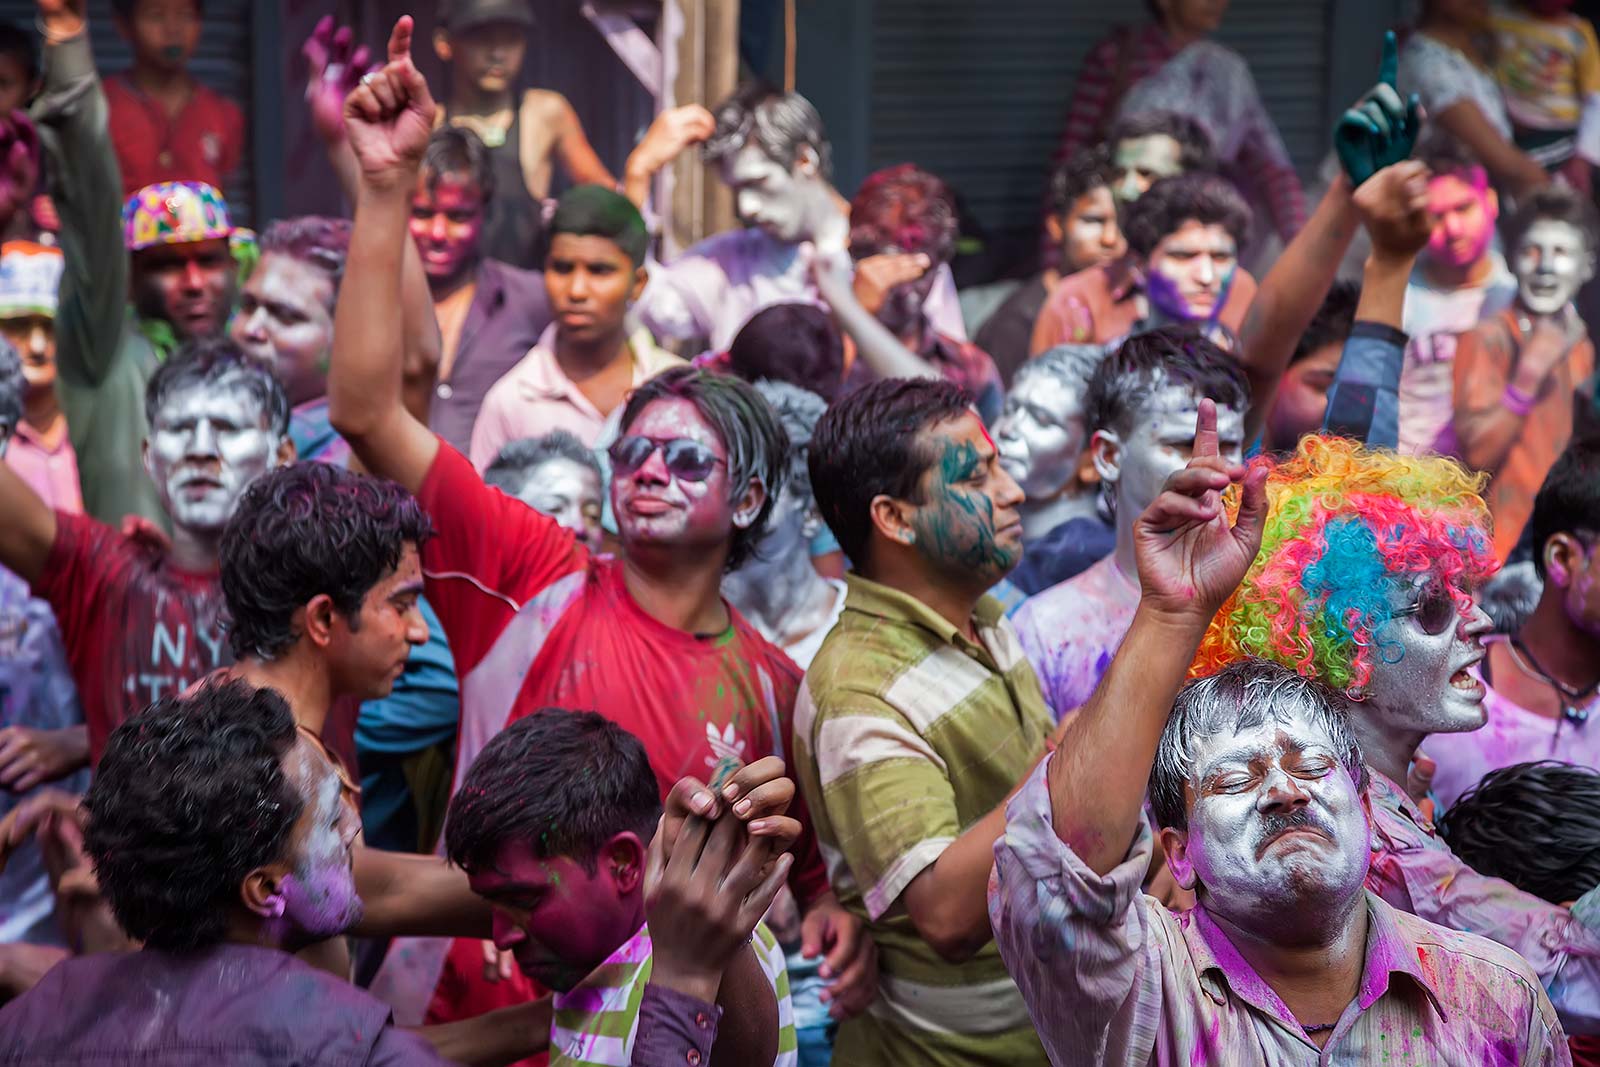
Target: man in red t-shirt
<point x="165" y="126"/>
<point x="140" y="617"/>
<point x="533" y="618"/>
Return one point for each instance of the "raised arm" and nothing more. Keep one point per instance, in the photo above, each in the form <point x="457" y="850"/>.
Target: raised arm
<point x="1364" y="400"/>
<point x="879" y="349"/>
<point x="388" y="119"/>
<point x="577" y="155"/>
<point x="669" y="134"/>
<point x="1377" y="130"/>
<point x="87" y="189"/>
<point x="334" y="68"/>
<point x="1190" y="560"/>
<point x="28" y="530"/>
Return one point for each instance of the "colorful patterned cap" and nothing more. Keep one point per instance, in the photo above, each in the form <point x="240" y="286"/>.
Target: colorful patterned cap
<point x="30" y="275"/>
<point x="170" y="213"/>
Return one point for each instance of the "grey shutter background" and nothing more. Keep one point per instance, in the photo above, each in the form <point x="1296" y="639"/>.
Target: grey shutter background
<point x="977" y="93"/>
<point x="222" y="62"/>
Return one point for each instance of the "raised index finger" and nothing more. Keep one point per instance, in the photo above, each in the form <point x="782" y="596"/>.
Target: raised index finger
<point x="400" y="39"/>
<point x="1205" y="430"/>
<point x="1389" y="70"/>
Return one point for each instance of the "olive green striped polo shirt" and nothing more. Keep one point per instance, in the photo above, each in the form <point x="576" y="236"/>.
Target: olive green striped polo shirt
<point x="907" y="733"/>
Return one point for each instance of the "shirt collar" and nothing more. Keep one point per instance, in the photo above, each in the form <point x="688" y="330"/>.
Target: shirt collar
<point x="1223" y="969"/>
<point x="1387" y="794"/>
<point x="886" y="602"/>
<point x="539" y="376"/>
<point x="25" y="432"/>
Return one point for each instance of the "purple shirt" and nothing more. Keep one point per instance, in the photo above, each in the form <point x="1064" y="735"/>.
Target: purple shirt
<point x="1415" y="871"/>
<point x="509" y="311"/>
<point x="1070" y="631"/>
<point x="242" y="1005"/>
<point x="1114" y="979"/>
<point x="674" y="1029"/>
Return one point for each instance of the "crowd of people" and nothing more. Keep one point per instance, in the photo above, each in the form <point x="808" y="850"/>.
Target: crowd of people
<point x="453" y="634"/>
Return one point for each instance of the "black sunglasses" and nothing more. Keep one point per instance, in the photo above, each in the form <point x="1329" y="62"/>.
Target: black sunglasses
<point x="1435" y="608"/>
<point x="687" y="459"/>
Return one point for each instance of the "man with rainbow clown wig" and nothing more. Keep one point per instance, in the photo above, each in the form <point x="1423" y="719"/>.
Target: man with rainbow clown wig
<point x="1365" y="582"/>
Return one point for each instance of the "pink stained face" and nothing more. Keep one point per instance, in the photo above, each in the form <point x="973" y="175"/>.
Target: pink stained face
<point x="556" y="918"/>
<point x="656" y="508"/>
<point x="1581" y="583"/>
<point x="1464" y="214"/>
<point x="447" y="224"/>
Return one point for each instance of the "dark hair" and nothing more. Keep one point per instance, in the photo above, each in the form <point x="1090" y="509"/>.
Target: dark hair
<point x="1537" y="825"/>
<point x="595" y="211"/>
<point x="1171" y="202"/>
<point x="22" y="46"/>
<point x="794" y="343"/>
<point x="780" y="123"/>
<point x="1079" y="174"/>
<point x="1242" y="696"/>
<point x="1145" y="362"/>
<point x="456" y="150"/>
<point x="1447" y="157"/>
<point x="1553" y="203"/>
<point x="189" y="798"/>
<point x="755" y="442"/>
<point x="1195" y="150"/>
<point x="317" y="240"/>
<point x="304" y="530"/>
<point x="518" y="460"/>
<point x="210" y="361"/>
<point x="1332" y="323"/>
<point x="126" y="8"/>
<point x="13" y="389"/>
<point x="561" y="782"/>
<point x="907" y="209"/>
<point x="871" y="444"/>
<point x="1569" y="500"/>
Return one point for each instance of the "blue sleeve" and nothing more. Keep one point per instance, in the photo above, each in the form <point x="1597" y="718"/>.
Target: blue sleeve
<point x="1364" y="401"/>
<point x="425" y="706"/>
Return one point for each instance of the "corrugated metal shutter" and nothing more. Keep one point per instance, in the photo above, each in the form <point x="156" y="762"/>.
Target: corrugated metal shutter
<point x="222" y="62"/>
<point x="977" y="93"/>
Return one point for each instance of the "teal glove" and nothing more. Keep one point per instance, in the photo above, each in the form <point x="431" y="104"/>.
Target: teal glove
<point x="1378" y="130"/>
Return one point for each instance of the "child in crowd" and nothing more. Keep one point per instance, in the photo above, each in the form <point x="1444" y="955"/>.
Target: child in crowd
<point x="166" y="126"/>
<point x="1548" y="65"/>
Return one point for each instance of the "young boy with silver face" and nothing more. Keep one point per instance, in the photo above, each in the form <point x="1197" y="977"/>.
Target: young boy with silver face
<point x="1141" y="405"/>
<point x="1256" y="782"/>
<point x="140" y="615"/>
<point x="1524" y="379"/>
<point x="1365" y="583"/>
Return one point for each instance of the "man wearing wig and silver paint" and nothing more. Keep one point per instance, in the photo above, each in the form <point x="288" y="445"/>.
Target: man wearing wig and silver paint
<point x="1366" y="583"/>
<point x="1524" y="379"/>
<point x="770" y="149"/>
<point x="1043" y="439"/>
<point x="140" y="615"/>
<point x="1257" y="785"/>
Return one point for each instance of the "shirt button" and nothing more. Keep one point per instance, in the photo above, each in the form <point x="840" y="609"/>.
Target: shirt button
<point x="693" y="1057"/>
<point x="444" y="391"/>
<point x="701" y="1021"/>
<point x="165" y="158"/>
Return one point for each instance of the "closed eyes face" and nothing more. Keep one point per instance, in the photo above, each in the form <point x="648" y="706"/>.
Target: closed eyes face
<point x="1040" y="435"/>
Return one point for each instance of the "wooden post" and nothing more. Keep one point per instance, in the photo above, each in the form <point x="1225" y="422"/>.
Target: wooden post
<point x="707" y="70"/>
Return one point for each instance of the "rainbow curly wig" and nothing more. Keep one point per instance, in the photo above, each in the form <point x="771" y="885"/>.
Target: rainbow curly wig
<point x="1346" y="528"/>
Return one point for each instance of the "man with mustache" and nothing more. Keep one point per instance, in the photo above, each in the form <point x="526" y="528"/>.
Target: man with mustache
<point x="140" y="616"/>
<point x="1256" y="783"/>
<point x="1366" y="583"/>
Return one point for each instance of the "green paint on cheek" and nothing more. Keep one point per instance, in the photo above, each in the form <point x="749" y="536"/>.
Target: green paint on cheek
<point x="956" y="526"/>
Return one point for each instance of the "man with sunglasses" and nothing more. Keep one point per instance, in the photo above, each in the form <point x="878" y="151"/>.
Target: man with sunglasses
<point x="1542" y="701"/>
<point x="533" y="618"/>
<point x="1365" y="581"/>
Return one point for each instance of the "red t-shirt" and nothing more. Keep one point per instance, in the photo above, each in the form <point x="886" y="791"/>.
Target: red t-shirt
<point x="136" y="627"/>
<point x="689" y="700"/>
<point x="203" y="143"/>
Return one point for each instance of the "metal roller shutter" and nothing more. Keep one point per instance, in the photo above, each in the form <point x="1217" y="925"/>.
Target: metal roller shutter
<point x="977" y="92"/>
<point x="222" y="62"/>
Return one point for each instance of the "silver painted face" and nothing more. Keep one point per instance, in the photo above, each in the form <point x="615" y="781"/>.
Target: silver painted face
<point x="1162" y="444"/>
<point x="787" y="204"/>
<point x="1040" y="435"/>
<point x="569" y="493"/>
<point x="1276" y="819"/>
<point x="1421" y="682"/>
<point x="1552" y="263"/>
<point x="208" y="442"/>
